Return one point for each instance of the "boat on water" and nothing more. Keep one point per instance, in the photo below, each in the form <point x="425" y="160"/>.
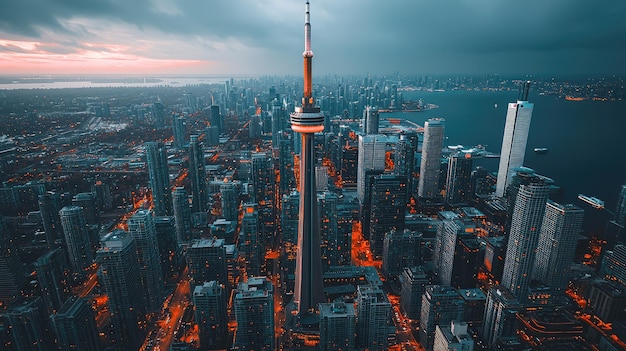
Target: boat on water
<point x="593" y="201"/>
<point x="541" y="150"/>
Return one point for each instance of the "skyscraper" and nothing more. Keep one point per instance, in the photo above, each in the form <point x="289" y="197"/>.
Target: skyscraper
<point x="516" y="129"/>
<point x="254" y="311"/>
<point x="414" y="281"/>
<point x="263" y="184"/>
<point x="337" y="326"/>
<point x="119" y="269"/>
<point x="197" y="175"/>
<point x="374" y="310"/>
<point x="230" y="206"/>
<point x="557" y="244"/>
<point x="76" y="237"/>
<point x="405" y="158"/>
<point x="141" y="227"/>
<point x="49" y="207"/>
<point x="53" y="279"/>
<point x="75" y="326"/>
<point x="400" y="249"/>
<point x="182" y="215"/>
<point x="387" y="208"/>
<point x="441" y="305"/>
<point x="370" y="120"/>
<point x="428" y="186"/>
<point x="206" y="259"/>
<point x="458" y="181"/>
<point x="620" y="209"/>
<point x="371" y="157"/>
<point x="307" y="120"/>
<point x="178" y="128"/>
<point x="30" y="326"/>
<point x="156" y="156"/>
<point x="500" y="322"/>
<point x="526" y="219"/>
<point x="211" y="316"/>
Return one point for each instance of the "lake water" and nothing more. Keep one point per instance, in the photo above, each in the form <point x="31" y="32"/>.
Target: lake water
<point x="586" y="139"/>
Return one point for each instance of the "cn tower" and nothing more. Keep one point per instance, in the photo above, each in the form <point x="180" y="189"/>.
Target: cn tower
<point x="307" y="120"/>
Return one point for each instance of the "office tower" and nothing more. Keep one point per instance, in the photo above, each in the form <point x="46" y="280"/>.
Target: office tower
<point x="453" y="230"/>
<point x="526" y="219"/>
<point x="170" y="252"/>
<point x="206" y="260"/>
<point x="453" y="337"/>
<point x="400" y="249"/>
<point x="373" y="312"/>
<point x="614" y="264"/>
<point x="474" y="301"/>
<point x="349" y="163"/>
<point x="287" y="180"/>
<point x="337" y="326"/>
<point x="30" y="326"/>
<point x="405" y="158"/>
<point x="263" y="186"/>
<point x="458" y="181"/>
<point x="365" y="209"/>
<point x="387" y="208"/>
<point x="75" y="327"/>
<point x="516" y="129"/>
<point x="254" y="312"/>
<point x="53" y="279"/>
<point x="557" y="244"/>
<point x="441" y="305"/>
<point x="211" y="316"/>
<point x="500" y="322"/>
<point x="335" y="237"/>
<point x="216" y="118"/>
<point x="90" y="206"/>
<point x="250" y="245"/>
<point x="371" y="157"/>
<point x="428" y="186"/>
<point x="289" y="217"/>
<point x="230" y="204"/>
<point x="76" y="237"/>
<point x="156" y="157"/>
<point x="141" y="227"/>
<point x="11" y="269"/>
<point x="371" y="119"/>
<point x="277" y="124"/>
<point x="49" y="207"/>
<point x="307" y="120"/>
<point x="178" y="129"/>
<point x="197" y="175"/>
<point x="182" y="215"/>
<point x="414" y="281"/>
<point x="119" y="270"/>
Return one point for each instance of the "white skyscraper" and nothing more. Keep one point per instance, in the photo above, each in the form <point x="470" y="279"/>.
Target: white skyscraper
<point x="372" y="150"/>
<point x="428" y="185"/>
<point x="516" y="129"/>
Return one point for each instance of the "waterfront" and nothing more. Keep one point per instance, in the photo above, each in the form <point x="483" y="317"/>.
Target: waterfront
<point x="585" y="155"/>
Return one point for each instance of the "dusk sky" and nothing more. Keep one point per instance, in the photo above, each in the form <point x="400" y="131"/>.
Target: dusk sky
<point x="242" y="37"/>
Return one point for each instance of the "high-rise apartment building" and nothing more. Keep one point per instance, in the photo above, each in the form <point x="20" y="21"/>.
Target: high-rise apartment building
<point x="53" y="278"/>
<point x="250" y="243"/>
<point x="337" y="326"/>
<point x="516" y="129"/>
<point x="405" y="158"/>
<point x="254" y="311"/>
<point x="558" y="237"/>
<point x="263" y="187"/>
<point x="453" y="230"/>
<point x="75" y="326"/>
<point x="373" y="312"/>
<point x="170" y="252"/>
<point x="428" y="186"/>
<point x="49" y="207"/>
<point x="230" y="205"/>
<point x="178" y="129"/>
<point x="308" y="120"/>
<point x="197" y="175"/>
<point x="387" y="200"/>
<point x="76" y="237"/>
<point x="211" y="314"/>
<point x="458" y="181"/>
<point x="526" y="219"/>
<point x="141" y="227"/>
<point x="156" y="157"/>
<point x="30" y="326"/>
<point x="119" y="269"/>
<point x="441" y="305"/>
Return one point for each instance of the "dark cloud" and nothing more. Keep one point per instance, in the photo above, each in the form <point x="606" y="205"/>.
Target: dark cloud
<point x="348" y="36"/>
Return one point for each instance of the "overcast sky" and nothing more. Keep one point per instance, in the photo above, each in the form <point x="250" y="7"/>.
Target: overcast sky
<point x="266" y="36"/>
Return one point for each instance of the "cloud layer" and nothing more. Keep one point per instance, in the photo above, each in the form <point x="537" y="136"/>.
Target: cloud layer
<point x="349" y="36"/>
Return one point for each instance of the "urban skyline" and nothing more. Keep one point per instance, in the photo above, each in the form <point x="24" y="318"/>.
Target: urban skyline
<point x="420" y="246"/>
